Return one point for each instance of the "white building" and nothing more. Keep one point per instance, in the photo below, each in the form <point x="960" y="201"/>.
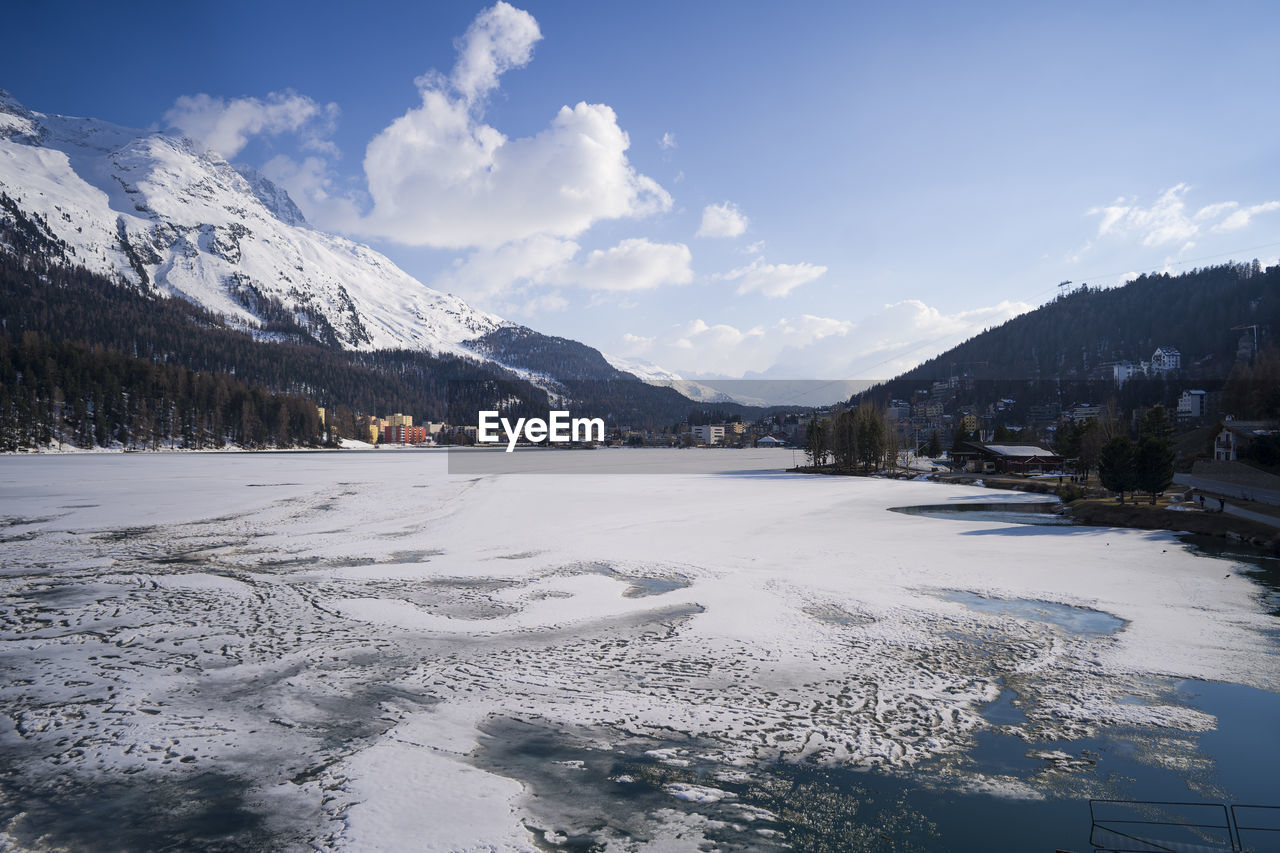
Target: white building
<point x="1166" y="360"/>
<point x="709" y="433"/>
<point x="1191" y="405"/>
<point x="1085" y="412"/>
<point x="1126" y="370"/>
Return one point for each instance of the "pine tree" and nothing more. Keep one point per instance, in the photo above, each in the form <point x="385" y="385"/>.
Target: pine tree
<point x="1153" y="466"/>
<point x="1116" y="466"/>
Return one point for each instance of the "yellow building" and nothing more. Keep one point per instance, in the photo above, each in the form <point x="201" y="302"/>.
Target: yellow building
<point x="400" y="420"/>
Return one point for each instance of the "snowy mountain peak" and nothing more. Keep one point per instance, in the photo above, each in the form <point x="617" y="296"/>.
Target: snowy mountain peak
<point x="10" y="104"/>
<point x="272" y="196"/>
<point x="154" y="210"/>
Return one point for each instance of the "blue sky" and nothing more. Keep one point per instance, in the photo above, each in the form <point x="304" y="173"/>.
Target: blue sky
<point x="884" y="179"/>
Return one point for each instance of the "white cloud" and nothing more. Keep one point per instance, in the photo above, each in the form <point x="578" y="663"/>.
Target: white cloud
<point x="1241" y="218"/>
<point x="523" y="277"/>
<point x="440" y="176"/>
<point x="311" y="183"/>
<point x="1166" y="221"/>
<point x="668" y="141"/>
<point x="882" y="345"/>
<point x="545" y="303"/>
<point x="722" y="220"/>
<point x="634" y="264"/>
<point x="773" y="280"/>
<point x="225" y="126"/>
<point x="486" y="274"/>
<point x="1213" y="211"/>
<point x="499" y="39"/>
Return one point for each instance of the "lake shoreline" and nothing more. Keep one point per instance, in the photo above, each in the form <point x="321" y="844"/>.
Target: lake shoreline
<point x="1108" y="512"/>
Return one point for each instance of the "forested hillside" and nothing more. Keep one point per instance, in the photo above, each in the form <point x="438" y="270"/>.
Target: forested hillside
<point x="89" y="361"/>
<point x="1080" y="332"/>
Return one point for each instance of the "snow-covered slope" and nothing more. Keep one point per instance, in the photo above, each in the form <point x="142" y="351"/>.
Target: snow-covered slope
<point x="656" y="375"/>
<point x="155" y="211"/>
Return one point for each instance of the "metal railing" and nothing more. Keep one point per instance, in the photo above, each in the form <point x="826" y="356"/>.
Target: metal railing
<point x="1153" y="826"/>
<point x="1261" y="819"/>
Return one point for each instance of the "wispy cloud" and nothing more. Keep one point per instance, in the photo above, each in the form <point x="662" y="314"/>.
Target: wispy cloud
<point x="225" y="126"/>
<point x="1166" y="220"/>
<point x="1241" y="218"/>
<point x="773" y="280"/>
<point x="892" y="340"/>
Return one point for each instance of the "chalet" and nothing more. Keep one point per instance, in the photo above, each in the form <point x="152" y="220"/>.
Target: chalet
<point x="1166" y="360"/>
<point x="1234" y="436"/>
<point x="1005" y="458"/>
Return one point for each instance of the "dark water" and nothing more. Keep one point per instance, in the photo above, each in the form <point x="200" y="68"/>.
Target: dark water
<point x="1038" y="512"/>
<point x="589" y="794"/>
<point x="1041" y="801"/>
<point x="205" y="811"/>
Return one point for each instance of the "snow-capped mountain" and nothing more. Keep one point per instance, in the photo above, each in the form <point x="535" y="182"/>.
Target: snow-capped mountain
<point x="153" y="210"/>
<point x="656" y="375"/>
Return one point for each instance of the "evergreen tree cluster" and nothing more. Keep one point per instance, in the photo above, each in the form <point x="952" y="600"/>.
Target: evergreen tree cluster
<point x="855" y="439"/>
<point x="1147" y="465"/>
<point x="69" y="393"/>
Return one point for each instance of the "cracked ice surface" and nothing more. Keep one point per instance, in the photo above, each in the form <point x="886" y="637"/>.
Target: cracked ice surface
<point x="322" y="637"/>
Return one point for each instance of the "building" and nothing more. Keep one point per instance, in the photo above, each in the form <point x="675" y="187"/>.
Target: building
<point x="1085" y="412"/>
<point x="709" y="433"/>
<point x="1044" y="412"/>
<point x="1166" y="360"/>
<point x="770" y="441"/>
<point x="1234" y="436"/>
<point x="1123" y="371"/>
<point x="399" y="420"/>
<point x="1192" y="405"/>
<point x="1005" y="458"/>
<point x="404" y="434"/>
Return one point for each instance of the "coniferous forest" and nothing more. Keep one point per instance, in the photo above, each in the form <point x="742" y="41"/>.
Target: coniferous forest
<point x="88" y="361"/>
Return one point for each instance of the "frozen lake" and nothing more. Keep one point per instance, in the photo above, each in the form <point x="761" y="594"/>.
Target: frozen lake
<point x="667" y="650"/>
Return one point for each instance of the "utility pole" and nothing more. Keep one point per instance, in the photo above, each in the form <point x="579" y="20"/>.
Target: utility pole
<point x="1253" y="326"/>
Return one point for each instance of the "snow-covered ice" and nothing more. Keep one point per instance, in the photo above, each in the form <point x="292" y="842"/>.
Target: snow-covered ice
<point x="336" y="631"/>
